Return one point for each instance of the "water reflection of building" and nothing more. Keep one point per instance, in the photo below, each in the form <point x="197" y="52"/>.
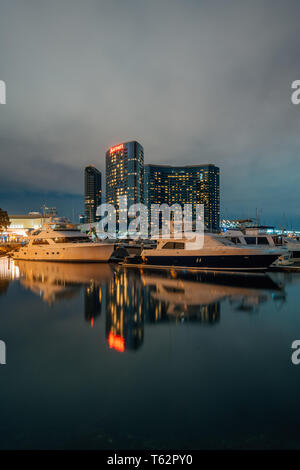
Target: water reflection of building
<point x="4" y="284"/>
<point x="92" y="302"/>
<point x="125" y="311"/>
<point x="8" y="272"/>
<point x="8" y="269"/>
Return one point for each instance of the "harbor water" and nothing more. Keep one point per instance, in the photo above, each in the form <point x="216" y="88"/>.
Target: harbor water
<point x="100" y="356"/>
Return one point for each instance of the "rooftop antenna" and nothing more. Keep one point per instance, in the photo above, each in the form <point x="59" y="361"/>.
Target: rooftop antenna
<point x="44" y="207"/>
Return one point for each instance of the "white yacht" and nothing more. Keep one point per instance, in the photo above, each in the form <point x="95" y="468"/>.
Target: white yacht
<point x="254" y="237"/>
<point x="215" y="253"/>
<point x="59" y="240"/>
<point x="293" y="246"/>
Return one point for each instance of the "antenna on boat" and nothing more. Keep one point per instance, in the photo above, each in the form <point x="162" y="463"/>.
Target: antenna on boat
<point x="44" y="212"/>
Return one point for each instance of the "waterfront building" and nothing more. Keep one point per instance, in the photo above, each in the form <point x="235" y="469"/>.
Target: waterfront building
<point x="21" y="225"/>
<point x="196" y="184"/>
<point x="92" y="192"/>
<point x="125" y="175"/>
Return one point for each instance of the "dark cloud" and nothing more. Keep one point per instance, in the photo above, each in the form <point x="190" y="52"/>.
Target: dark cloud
<point x="194" y="81"/>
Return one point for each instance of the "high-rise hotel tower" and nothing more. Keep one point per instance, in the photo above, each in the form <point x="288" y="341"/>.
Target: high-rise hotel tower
<point x="125" y="174"/>
<point x="197" y="184"/>
<point x="92" y="192"/>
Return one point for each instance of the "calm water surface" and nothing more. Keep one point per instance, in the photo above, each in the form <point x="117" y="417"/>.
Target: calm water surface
<point x="101" y="357"/>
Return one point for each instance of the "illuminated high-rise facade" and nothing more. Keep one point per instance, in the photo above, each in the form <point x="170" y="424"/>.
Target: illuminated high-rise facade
<point x="197" y="184"/>
<point x="125" y="174"/>
<point x="92" y="192"/>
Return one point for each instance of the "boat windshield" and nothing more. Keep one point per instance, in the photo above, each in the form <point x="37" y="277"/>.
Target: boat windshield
<point x="278" y="240"/>
<point x="222" y="240"/>
<point x="40" y="241"/>
<point x="60" y="227"/>
<point x="174" y="246"/>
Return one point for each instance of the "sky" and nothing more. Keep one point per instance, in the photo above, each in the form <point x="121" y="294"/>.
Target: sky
<point x="193" y="81"/>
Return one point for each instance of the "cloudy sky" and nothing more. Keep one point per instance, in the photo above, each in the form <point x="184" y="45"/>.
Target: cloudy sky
<point x="194" y="81"/>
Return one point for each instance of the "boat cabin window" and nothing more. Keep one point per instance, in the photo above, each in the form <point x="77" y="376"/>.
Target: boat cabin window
<point x="174" y="290"/>
<point x="72" y="239"/>
<point x="40" y="241"/>
<point x="173" y="246"/>
<point x="262" y="241"/>
<point x="250" y="240"/>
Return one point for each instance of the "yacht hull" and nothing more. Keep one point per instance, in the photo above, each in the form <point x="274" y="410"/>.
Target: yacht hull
<point x="207" y="262"/>
<point x="97" y="253"/>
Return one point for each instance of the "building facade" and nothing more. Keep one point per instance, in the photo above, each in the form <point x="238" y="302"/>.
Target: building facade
<point x="92" y="192"/>
<point x="21" y="225"/>
<point x="125" y="174"/>
<point x="197" y="184"/>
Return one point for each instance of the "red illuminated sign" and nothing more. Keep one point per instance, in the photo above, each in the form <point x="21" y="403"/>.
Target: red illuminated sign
<point x="116" y="148"/>
<point x="116" y="342"/>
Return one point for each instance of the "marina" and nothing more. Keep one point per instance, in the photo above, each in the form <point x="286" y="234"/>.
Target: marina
<point x="59" y="240"/>
<point x="149" y="230"/>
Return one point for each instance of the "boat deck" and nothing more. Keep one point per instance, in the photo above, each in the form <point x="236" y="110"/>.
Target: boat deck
<point x="295" y="268"/>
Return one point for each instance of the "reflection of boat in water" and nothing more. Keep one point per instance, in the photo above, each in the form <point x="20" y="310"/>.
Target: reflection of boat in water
<point x="64" y="272"/>
<point x="182" y="292"/>
<point x="60" y="280"/>
<point x="177" y="291"/>
<point x="244" y="280"/>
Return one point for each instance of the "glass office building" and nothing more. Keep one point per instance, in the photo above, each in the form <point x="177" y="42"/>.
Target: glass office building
<point x="92" y="192"/>
<point x="125" y="174"/>
<point x="197" y="184"/>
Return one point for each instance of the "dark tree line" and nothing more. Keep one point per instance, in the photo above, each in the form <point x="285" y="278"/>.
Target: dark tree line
<point x="4" y="220"/>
